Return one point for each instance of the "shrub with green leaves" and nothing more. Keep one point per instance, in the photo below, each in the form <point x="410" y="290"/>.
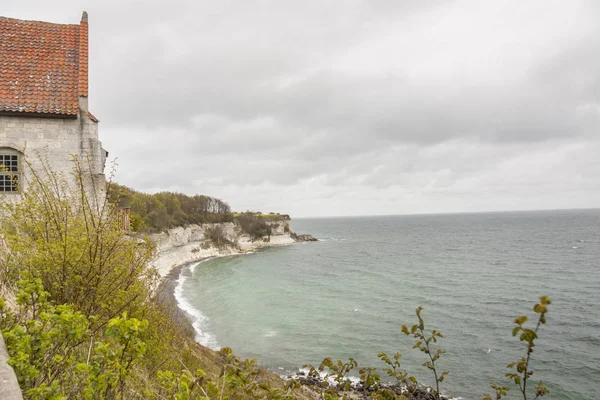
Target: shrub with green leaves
<point x="47" y="346"/>
<point x="254" y="224"/>
<point x="395" y="372"/>
<point x="424" y="343"/>
<point x="520" y="370"/>
<point x="68" y="237"/>
<point x="216" y="237"/>
<point x="337" y="370"/>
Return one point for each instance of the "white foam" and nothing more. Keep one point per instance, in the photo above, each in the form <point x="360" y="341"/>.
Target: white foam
<point x="332" y="239"/>
<point x="194" y="265"/>
<point x="353" y="379"/>
<point x="198" y="319"/>
<point x="270" y="334"/>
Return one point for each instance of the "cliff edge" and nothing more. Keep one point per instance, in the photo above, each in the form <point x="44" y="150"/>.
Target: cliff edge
<point x="194" y="242"/>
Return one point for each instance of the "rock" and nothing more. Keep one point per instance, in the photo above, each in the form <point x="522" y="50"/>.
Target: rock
<point x="421" y="394"/>
<point x="305" y="237"/>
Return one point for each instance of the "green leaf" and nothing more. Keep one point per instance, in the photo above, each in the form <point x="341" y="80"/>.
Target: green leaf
<point x="521" y="320"/>
<point x="539" y="308"/>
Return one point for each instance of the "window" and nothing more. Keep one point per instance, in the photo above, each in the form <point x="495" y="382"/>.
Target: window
<point x="9" y="171"/>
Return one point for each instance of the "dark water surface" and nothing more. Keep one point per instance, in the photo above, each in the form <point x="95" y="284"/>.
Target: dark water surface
<point x="348" y="295"/>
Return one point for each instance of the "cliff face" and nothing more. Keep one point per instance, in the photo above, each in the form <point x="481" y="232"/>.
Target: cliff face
<point x="182" y="245"/>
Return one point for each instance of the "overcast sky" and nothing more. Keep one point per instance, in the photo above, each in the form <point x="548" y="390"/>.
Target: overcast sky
<point x="347" y="107"/>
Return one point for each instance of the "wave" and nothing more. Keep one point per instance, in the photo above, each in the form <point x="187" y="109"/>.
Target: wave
<point x="198" y="319"/>
<point x="332" y="239"/>
<point x="194" y="265"/>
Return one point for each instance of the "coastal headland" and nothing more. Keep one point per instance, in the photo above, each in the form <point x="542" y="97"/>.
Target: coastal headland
<point x="193" y="243"/>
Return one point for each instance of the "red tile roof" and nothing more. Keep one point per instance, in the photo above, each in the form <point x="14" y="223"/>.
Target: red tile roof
<point x="43" y="67"/>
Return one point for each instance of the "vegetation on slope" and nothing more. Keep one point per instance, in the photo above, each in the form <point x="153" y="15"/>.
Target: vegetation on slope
<point x="160" y="211"/>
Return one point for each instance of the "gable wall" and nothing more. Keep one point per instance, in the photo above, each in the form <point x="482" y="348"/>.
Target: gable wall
<point x="55" y="139"/>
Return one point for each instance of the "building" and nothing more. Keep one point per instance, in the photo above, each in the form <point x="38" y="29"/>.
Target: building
<point x="44" y="101"/>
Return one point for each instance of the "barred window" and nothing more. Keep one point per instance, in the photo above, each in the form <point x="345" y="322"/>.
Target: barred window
<point x="9" y="172"/>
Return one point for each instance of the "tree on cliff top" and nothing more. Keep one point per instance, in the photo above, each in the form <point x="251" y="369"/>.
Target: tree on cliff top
<point x="164" y="210"/>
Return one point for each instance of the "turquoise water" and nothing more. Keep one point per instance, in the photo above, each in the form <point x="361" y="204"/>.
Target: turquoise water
<point x="348" y="295"/>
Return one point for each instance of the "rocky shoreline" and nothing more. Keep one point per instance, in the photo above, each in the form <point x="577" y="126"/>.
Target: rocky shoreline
<point x="357" y="389"/>
<point x="304" y="237"/>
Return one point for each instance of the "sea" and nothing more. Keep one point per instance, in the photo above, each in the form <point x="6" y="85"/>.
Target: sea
<point x="348" y="295"/>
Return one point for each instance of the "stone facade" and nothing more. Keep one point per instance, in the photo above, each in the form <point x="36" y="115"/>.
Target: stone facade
<point x="55" y="140"/>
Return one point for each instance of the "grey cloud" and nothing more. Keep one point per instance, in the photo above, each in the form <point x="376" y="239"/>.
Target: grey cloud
<point x="421" y="106"/>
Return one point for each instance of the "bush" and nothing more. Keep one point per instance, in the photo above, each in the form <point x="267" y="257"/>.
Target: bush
<point x="68" y="237"/>
<point x="47" y="344"/>
<point x="254" y="225"/>
<point x="216" y="237"/>
<point x="165" y="210"/>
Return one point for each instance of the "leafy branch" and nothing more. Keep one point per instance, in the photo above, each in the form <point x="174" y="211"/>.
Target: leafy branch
<point x="423" y="344"/>
<point x="521" y="371"/>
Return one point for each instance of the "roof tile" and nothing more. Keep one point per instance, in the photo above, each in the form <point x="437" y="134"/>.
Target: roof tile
<point x="43" y="66"/>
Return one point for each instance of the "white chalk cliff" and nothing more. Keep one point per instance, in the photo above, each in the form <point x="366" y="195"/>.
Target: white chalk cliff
<point x="183" y="245"/>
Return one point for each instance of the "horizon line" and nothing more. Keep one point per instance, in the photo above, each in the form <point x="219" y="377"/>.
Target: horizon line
<point x="446" y="213"/>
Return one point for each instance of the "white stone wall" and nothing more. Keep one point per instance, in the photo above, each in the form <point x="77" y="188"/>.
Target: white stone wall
<point x="55" y="139"/>
<point x="9" y="386"/>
